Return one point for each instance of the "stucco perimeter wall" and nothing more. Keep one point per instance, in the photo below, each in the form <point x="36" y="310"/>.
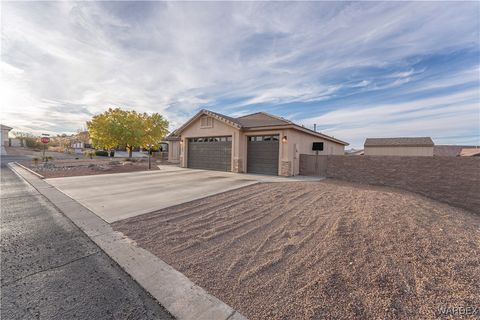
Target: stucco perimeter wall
<point x="454" y="180"/>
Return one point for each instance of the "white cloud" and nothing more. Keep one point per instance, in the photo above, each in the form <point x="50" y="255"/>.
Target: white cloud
<point x="439" y="118"/>
<point x="63" y="61"/>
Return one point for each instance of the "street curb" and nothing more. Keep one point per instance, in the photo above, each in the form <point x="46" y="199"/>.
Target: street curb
<point x="30" y="170"/>
<point x="173" y="290"/>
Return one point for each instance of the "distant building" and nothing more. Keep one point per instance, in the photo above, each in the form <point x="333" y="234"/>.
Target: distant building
<point x="450" y="150"/>
<point x="77" y="146"/>
<point x="355" y="153"/>
<point x="4" y="135"/>
<point x="404" y="146"/>
<point x="470" y="152"/>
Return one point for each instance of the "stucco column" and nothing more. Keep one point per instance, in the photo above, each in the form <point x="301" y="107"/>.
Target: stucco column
<point x="286" y="164"/>
<point x="183" y="149"/>
<point x="237" y="162"/>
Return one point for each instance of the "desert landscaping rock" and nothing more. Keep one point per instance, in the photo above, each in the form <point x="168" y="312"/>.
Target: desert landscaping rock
<point x="84" y="167"/>
<point x="329" y="250"/>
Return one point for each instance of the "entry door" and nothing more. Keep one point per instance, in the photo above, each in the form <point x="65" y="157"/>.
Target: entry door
<point x="262" y="154"/>
<point x="212" y="153"/>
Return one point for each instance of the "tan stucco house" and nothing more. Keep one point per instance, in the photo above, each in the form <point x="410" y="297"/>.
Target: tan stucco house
<point x="4" y="135"/>
<point x="404" y="146"/>
<point x="255" y="143"/>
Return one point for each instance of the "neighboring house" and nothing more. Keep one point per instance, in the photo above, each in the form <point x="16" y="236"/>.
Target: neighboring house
<point x="470" y="152"/>
<point x="4" y="135"/>
<point x="405" y="146"/>
<point x="16" y="142"/>
<point x="449" y="150"/>
<point x="77" y="146"/>
<point x="255" y="143"/>
<point x="81" y="141"/>
<point x="355" y="153"/>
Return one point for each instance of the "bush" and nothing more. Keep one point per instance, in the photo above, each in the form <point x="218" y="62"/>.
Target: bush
<point x="89" y="154"/>
<point x="101" y="153"/>
<point x="33" y="143"/>
<point x="56" y="149"/>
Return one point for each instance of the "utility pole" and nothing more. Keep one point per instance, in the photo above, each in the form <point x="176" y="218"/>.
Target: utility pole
<point x="149" y="156"/>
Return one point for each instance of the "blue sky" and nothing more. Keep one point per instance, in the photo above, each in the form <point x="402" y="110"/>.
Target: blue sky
<point x="357" y="70"/>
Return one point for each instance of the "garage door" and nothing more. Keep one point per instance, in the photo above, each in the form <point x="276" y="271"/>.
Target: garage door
<point x="262" y="154"/>
<point x="212" y="153"/>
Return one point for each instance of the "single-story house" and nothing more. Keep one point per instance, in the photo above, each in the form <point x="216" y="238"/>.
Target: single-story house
<point x="4" y="135"/>
<point x="470" y="152"/>
<point x="450" y="150"/>
<point x="255" y="143"/>
<point x="77" y="146"/>
<point x="355" y="153"/>
<point x="404" y="146"/>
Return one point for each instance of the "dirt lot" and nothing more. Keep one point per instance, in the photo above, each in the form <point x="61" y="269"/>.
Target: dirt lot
<point x="83" y="167"/>
<point x="321" y="250"/>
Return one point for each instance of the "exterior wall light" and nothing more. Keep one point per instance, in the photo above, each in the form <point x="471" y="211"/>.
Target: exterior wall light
<point x="284" y="139"/>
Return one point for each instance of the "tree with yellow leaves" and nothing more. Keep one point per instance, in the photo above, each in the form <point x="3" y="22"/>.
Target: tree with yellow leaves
<point x="130" y="129"/>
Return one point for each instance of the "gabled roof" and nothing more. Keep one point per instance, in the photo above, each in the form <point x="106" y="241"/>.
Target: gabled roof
<point x="399" y="142"/>
<point x="3" y="127"/>
<point x="356" y="153"/>
<point x="470" y="152"/>
<point x="254" y="121"/>
<point x="261" y="119"/>
<point x="228" y="120"/>
<point x="449" y="150"/>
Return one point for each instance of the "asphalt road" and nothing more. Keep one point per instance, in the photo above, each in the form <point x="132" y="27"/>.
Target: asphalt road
<point x="52" y="270"/>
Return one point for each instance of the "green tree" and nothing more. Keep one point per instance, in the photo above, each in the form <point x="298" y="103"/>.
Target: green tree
<point x="117" y="127"/>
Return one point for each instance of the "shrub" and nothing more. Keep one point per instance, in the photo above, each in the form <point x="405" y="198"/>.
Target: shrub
<point x="101" y="153"/>
<point x="89" y="154"/>
<point x="56" y="149"/>
<point x="33" y="143"/>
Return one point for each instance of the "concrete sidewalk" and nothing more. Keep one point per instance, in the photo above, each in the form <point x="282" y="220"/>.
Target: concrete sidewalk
<point x="175" y="292"/>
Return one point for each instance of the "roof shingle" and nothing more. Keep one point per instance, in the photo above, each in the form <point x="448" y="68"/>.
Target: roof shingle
<point x="261" y="119"/>
<point x="399" y="142"/>
<point x="251" y="122"/>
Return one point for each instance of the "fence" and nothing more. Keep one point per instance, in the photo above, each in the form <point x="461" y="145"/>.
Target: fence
<point x="454" y="180"/>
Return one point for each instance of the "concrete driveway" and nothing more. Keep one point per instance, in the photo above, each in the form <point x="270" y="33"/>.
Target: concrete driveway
<point x="119" y="196"/>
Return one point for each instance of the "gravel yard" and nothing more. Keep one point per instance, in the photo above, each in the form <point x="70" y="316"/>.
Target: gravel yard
<point x="321" y="250"/>
<point x="83" y="167"/>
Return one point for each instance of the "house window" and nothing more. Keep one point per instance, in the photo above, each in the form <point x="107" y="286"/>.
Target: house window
<point x="263" y="138"/>
<point x="206" y="122"/>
